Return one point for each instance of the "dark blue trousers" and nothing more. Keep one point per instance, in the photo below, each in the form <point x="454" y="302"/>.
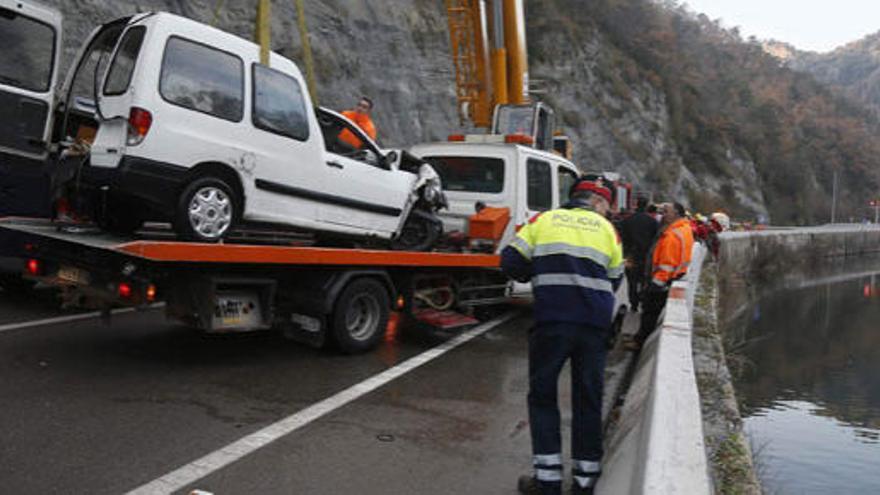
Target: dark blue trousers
<point x="550" y="346"/>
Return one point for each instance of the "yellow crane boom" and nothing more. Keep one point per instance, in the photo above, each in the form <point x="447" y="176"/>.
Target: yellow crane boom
<point x="488" y="43"/>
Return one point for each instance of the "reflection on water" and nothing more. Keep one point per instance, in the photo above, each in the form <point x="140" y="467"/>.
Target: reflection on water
<point x="812" y="397"/>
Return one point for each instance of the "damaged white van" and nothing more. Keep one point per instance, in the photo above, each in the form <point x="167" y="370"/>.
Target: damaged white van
<point x="182" y="123"/>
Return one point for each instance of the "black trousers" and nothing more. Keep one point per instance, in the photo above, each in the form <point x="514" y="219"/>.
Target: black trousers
<point x="635" y="281"/>
<point x="550" y="346"/>
<point x="653" y="302"/>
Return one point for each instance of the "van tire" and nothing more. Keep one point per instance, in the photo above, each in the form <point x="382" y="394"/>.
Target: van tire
<point x="218" y="208"/>
<point x="419" y="233"/>
<point x="360" y="316"/>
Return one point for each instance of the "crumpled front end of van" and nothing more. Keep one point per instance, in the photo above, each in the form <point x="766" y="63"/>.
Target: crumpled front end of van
<point x="428" y="189"/>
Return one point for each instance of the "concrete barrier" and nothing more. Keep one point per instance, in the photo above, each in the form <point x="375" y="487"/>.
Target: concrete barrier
<point x="657" y="446"/>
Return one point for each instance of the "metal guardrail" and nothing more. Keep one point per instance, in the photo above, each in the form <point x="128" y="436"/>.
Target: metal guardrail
<point x="658" y="446"/>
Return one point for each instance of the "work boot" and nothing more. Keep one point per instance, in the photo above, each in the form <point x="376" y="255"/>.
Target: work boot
<point x="528" y="485"/>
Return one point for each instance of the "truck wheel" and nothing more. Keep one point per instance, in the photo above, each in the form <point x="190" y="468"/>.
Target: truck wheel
<point x="360" y="316"/>
<point x="206" y="211"/>
<point x="420" y="232"/>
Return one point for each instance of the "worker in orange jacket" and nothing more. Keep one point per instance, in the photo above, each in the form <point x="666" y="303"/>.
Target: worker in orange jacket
<point x="360" y="116"/>
<point x="668" y="262"/>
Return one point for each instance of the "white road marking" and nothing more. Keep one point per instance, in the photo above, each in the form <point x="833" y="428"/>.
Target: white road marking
<point x="66" y="319"/>
<point x="218" y="459"/>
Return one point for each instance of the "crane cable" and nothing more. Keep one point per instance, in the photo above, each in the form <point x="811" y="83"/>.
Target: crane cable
<point x="307" y="50"/>
<point x="217" y="7"/>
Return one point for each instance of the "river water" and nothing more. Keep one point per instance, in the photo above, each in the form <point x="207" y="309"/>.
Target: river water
<point x="811" y="389"/>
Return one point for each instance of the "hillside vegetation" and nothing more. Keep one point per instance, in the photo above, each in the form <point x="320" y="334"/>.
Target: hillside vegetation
<point x="725" y="92"/>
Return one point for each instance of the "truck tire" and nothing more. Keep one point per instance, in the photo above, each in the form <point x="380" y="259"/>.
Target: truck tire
<point x="207" y="210"/>
<point x="360" y="316"/>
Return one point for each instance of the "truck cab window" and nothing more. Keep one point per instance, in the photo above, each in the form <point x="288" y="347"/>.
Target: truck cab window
<point x="29" y="50"/>
<point x="566" y="179"/>
<point x="539" y="184"/>
<point x="469" y="174"/>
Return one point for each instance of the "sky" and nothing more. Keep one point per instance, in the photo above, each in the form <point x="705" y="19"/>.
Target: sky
<point x="817" y="25"/>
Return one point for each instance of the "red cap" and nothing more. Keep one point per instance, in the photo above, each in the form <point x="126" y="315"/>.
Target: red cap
<point x="595" y="189"/>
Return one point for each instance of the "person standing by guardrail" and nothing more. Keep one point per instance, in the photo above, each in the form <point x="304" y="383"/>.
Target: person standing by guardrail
<point x="638" y="232"/>
<point x="574" y="259"/>
<point x="669" y="261"/>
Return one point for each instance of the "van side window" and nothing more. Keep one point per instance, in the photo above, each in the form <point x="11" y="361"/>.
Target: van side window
<point x="202" y="78"/>
<point x="567" y="178"/>
<point x="539" y="184"/>
<point x="279" y="105"/>
<point x="123" y="63"/>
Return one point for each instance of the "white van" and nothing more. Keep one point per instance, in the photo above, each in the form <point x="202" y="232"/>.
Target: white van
<point x="191" y="128"/>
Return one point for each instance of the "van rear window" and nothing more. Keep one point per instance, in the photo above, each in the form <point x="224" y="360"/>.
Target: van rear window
<point x="469" y="174"/>
<point x="204" y="79"/>
<point x="122" y="67"/>
<point x="28" y="52"/>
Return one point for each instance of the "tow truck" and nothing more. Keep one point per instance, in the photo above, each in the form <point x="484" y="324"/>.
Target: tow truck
<point x="314" y="295"/>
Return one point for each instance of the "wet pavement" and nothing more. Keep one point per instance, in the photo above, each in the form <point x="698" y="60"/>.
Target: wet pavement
<point x="89" y="408"/>
<point x="812" y="390"/>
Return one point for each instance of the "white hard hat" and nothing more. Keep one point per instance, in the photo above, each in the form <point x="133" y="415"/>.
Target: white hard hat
<point x="722" y="219"/>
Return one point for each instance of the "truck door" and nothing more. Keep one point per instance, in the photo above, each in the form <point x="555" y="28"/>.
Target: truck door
<point x="539" y="196"/>
<point x="30" y="37"/>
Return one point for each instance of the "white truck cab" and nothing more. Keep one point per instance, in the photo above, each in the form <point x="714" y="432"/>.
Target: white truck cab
<point x="189" y="126"/>
<point x="521" y="178"/>
<point x="506" y="175"/>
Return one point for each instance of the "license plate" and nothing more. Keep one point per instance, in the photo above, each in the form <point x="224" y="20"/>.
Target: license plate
<point x="73" y="275"/>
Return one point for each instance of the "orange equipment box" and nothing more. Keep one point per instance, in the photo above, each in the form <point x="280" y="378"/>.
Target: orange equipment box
<point x="489" y="223"/>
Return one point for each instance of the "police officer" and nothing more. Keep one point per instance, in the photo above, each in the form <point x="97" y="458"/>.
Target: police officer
<point x="574" y="259"/>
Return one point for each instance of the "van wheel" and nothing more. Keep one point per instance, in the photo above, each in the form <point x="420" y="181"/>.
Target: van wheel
<point x="360" y="316"/>
<point x="420" y="232"/>
<point x="206" y="211"/>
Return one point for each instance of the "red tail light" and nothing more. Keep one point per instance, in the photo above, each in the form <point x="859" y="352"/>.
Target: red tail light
<point x="456" y="138"/>
<point x="151" y="293"/>
<point x="34" y="267"/>
<point x="139" y="122"/>
<point x="124" y="290"/>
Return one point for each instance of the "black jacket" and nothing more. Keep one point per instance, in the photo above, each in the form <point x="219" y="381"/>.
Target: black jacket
<point x="637" y="233"/>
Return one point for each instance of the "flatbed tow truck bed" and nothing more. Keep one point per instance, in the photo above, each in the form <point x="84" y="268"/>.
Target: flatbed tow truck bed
<point x="312" y="294"/>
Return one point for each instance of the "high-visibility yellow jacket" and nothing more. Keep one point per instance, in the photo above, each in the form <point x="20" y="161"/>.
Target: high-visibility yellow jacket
<point x="671" y="255"/>
<point x="574" y="260"/>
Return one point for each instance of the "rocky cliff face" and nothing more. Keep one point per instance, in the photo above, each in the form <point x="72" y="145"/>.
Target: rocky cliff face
<point x="397" y="51"/>
<point x="853" y="68"/>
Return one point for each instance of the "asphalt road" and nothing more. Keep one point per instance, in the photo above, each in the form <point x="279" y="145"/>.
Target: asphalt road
<point x="93" y="409"/>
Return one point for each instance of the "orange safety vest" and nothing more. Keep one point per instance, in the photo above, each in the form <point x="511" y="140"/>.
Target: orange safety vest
<point x="364" y="122"/>
<point x="672" y="253"/>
